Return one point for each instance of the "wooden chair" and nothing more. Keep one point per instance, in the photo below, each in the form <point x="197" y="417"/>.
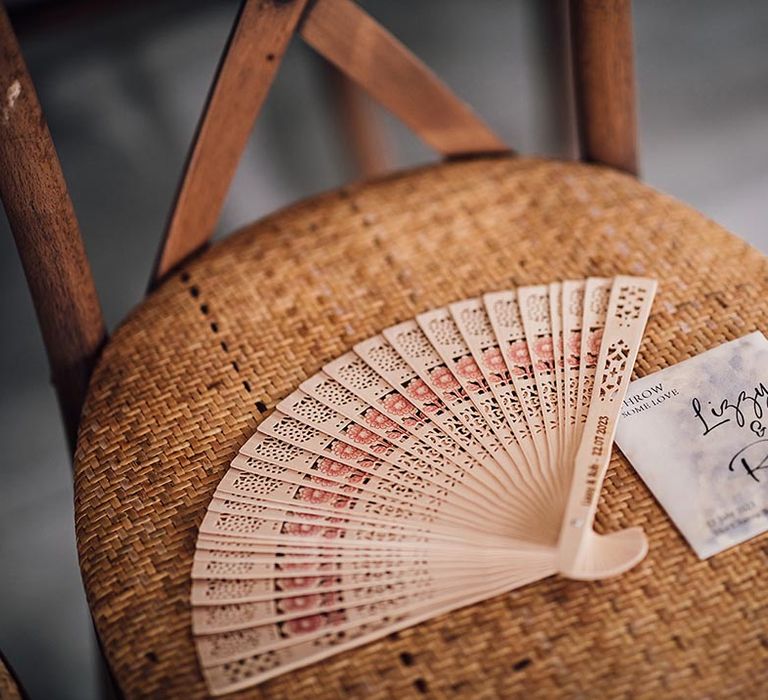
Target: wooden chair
<point x="231" y="328"/>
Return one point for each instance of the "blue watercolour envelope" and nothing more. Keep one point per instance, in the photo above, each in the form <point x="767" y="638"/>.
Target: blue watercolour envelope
<point x="697" y="434"/>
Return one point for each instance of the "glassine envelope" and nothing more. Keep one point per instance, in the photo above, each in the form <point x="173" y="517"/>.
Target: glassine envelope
<point x="697" y="434"/>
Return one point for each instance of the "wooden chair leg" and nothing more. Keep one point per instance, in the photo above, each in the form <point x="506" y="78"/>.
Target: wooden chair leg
<point x="360" y="129"/>
<point x="551" y="32"/>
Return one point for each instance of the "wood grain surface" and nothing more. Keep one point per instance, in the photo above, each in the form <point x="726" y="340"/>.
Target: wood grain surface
<point x="260" y="36"/>
<point x="47" y="234"/>
<point x="360" y="47"/>
<point x="604" y="81"/>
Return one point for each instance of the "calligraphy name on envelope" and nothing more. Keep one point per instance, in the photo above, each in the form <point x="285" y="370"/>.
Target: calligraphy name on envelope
<point x="697" y="434"/>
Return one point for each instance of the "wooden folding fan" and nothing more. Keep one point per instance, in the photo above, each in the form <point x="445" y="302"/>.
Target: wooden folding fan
<point x="454" y="457"/>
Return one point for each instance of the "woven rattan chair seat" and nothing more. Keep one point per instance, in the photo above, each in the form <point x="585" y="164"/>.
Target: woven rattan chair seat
<point x="9" y="689"/>
<point x="188" y="376"/>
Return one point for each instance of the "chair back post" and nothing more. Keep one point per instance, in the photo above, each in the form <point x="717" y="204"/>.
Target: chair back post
<point x="47" y="234"/>
<point x="364" y="142"/>
<point x="605" y="82"/>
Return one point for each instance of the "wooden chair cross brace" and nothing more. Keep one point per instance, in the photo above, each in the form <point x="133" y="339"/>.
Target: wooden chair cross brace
<point x="40" y="211"/>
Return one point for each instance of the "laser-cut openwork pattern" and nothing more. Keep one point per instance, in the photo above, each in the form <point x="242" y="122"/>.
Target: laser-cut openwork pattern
<point x="630" y="303"/>
<point x="431" y="466"/>
<point x="614" y="372"/>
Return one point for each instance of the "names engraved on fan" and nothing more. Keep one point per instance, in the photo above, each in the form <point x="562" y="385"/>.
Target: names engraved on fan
<point x="598" y="450"/>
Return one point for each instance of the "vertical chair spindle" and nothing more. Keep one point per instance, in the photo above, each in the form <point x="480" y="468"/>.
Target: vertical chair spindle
<point x="604" y="82"/>
<point x="47" y="235"/>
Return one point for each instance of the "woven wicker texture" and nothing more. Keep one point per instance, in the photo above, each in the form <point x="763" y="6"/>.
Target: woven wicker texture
<point x="9" y="689"/>
<point x="188" y="376"/>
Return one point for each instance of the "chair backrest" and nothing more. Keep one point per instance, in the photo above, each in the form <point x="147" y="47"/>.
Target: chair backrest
<point x="40" y="212"/>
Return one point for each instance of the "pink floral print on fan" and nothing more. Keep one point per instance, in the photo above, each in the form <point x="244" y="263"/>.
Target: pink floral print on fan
<point x="317" y="496"/>
<point x="301" y="602"/>
<point x="594" y="340"/>
<point x="320" y="496"/>
<point x="296" y="566"/>
<point x="333" y="468"/>
<point x="574" y="348"/>
<point x="301" y="529"/>
<point x="444" y="379"/>
<point x="494" y="363"/>
<point x="418" y="390"/>
<point x="295" y="582"/>
<point x="301" y="583"/>
<point x="346" y="451"/>
<point x="376" y="419"/>
<point x="312" y="623"/>
<point x="544" y="351"/>
<point x="353" y="476"/>
<point x="467" y="368"/>
<point x="304" y="625"/>
<point x="399" y="405"/>
<point x="519" y="358"/>
<point x="361" y="435"/>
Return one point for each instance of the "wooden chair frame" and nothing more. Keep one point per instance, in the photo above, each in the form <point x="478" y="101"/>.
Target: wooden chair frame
<point x="40" y="211"/>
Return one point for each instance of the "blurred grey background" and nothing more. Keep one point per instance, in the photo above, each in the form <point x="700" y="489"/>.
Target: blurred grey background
<point x="122" y="90"/>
